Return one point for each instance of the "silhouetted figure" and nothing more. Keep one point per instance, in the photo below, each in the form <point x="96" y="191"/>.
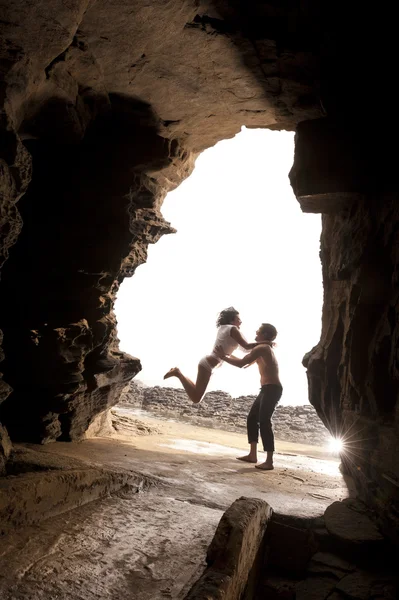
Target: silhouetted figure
<point x="259" y="417"/>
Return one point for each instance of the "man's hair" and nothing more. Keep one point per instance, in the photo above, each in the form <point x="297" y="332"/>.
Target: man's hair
<point x="269" y="331"/>
<point x="226" y="316"/>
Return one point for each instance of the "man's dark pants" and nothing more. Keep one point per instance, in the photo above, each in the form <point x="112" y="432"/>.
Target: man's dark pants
<point x="260" y="415"/>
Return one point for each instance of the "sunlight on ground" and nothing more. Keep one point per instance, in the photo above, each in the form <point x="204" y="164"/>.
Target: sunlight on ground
<point x="200" y="447"/>
<point x="329" y="467"/>
<point x="241" y="240"/>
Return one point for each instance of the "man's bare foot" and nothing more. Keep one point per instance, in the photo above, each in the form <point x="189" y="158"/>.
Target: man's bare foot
<point x="248" y="458"/>
<point x="265" y="466"/>
<point x="171" y="373"/>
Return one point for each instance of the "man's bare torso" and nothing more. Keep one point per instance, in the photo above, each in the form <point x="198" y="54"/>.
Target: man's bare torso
<point x="268" y="367"/>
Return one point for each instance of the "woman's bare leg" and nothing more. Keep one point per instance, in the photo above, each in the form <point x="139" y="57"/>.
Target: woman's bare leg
<point x="193" y="391"/>
<point x="171" y="373"/>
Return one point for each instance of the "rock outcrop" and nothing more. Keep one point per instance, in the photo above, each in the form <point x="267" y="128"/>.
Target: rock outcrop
<point x="5" y="448"/>
<point x="325" y="557"/>
<point x="269" y="555"/>
<point x="353" y="372"/>
<point x="222" y="411"/>
<point x="236" y="545"/>
<point x="111" y="102"/>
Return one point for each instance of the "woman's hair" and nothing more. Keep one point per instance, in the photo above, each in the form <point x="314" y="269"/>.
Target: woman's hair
<point x="270" y="333"/>
<point x="226" y="316"/>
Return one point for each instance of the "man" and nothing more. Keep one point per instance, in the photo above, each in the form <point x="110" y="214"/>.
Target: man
<point x="259" y="417"/>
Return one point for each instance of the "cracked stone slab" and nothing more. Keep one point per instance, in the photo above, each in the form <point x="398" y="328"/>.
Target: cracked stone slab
<point x="349" y="525"/>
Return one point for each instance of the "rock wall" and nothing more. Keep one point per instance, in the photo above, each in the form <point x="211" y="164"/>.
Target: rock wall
<point x="65" y="336"/>
<point x="222" y="411"/>
<point x="353" y="372"/>
<point x="5" y="448"/>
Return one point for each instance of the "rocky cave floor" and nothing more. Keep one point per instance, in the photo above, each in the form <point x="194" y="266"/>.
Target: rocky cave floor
<point x="162" y="489"/>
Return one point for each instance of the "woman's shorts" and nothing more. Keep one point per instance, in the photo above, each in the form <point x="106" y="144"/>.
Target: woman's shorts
<point x="205" y="364"/>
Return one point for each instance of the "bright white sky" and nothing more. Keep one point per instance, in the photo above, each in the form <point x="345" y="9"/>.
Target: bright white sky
<point x="241" y="241"/>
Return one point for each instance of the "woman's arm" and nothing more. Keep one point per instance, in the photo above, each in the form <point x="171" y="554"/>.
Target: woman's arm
<point x="236" y="335"/>
<point x="247" y="360"/>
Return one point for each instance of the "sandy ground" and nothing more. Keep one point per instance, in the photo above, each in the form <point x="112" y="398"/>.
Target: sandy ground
<point x="152" y="545"/>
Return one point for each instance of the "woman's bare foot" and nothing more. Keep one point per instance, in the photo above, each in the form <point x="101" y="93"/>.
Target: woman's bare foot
<point x="171" y="373"/>
<point x="248" y="458"/>
<point x="266" y="466"/>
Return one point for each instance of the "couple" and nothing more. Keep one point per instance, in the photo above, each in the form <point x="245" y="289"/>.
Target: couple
<point x="227" y="340"/>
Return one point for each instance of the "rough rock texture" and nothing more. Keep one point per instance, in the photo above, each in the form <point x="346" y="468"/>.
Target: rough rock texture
<point x="112" y="102"/>
<point x="353" y="372"/>
<point x="233" y="551"/>
<point x="66" y="339"/>
<point x="348" y="520"/>
<point x="15" y="173"/>
<point x="39" y="486"/>
<point x="220" y="410"/>
<point x="300" y="563"/>
<point x="285" y="558"/>
<point x="5" y="448"/>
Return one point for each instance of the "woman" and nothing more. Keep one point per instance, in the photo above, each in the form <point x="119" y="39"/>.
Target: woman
<point x="228" y="337"/>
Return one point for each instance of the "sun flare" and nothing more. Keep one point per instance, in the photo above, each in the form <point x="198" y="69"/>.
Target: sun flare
<point x="336" y="445"/>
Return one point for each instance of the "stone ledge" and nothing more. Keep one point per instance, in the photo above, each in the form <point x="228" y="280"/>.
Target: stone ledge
<point x="234" y="551"/>
<point x="31" y="497"/>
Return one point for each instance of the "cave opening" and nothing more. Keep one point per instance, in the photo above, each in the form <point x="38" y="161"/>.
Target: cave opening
<point x="241" y="240"/>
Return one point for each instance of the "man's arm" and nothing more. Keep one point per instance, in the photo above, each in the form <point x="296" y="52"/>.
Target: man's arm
<point x="236" y="335"/>
<point x="248" y="359"/>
